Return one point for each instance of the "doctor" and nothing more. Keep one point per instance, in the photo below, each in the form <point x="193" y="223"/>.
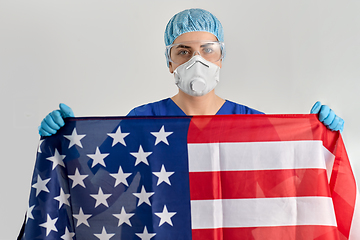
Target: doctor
<point x="195" y="47"/>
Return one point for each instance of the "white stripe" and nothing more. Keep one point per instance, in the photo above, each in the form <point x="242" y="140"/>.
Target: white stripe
<point x="258" y="212"/>
<point x="329" y="162"/>
<point x="258" y="156"/>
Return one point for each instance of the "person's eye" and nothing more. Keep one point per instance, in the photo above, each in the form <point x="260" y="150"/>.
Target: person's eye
<point x="183" y="52"/>
<point x="208" y="50"/>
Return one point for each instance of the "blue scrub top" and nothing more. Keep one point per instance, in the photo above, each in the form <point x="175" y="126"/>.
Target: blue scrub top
<point x="167" y="107"/>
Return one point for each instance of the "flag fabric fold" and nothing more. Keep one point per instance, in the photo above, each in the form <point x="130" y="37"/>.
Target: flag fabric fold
<point x="202" y="177"/>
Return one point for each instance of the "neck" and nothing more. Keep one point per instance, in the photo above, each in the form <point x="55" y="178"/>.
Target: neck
<point x="208" y="104"/>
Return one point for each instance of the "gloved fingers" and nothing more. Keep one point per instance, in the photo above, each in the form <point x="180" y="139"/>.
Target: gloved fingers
<point x="43" y="133"/>
<point x="340" y="125"/>
<point x="316" y="108"/>
<point x="55" y="120"/>
<point x="334" y="123"/>
<point x="45" y="126"/>
<point x="66" y="111"/>
<point x="324" y="113"/>
<point x="330" y="118"/>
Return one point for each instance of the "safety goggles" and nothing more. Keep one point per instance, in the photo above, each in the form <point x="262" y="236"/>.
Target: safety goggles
<point x="180" y="53"/>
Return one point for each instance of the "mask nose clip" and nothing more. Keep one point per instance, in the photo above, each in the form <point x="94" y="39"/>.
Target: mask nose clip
<point x="197" y="60"/>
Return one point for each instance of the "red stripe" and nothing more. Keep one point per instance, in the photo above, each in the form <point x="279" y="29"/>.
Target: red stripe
<point x="259" y="128"/>
<point x="269" y="233"/>
<point x="343" y="190"/>
<point x="258" y="184"/>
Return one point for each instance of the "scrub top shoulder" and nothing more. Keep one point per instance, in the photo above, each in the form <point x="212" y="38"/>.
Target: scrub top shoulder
<point x="167" y="107"/>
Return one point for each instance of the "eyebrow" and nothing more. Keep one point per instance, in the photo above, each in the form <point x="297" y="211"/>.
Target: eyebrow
<point x="182" y="46"/>
<point x="207" y="44"/>
<point x="204" y="45"/>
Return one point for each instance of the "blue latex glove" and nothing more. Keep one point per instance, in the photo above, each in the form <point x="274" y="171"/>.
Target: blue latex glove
<point x="55" y="120"/>
<point x="328" y="117"/>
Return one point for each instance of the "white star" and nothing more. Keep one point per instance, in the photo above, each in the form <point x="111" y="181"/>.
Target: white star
<point x="98" y="157"/>
<point x="57" y="159"/>
<point x="124" y="217"/>
<point x="118" y="137"/>
<point x="77" y="178"/>
<point x="40" y="185"/>
<point x="101" y="198"/>
<point x="39" y="148"/>
<point x="75" y="138"/>
<point x="145" y="235"/>
<point x="49" y="225"/>
<point x="68" y="235"/>
<point x="163" y="176"/>
<point x="165" y="216"/>
<point x="62" y="198"/>
<point x="141" y="156"/>
<point x="29" y="213"/>
<point x="161" y="136"/>
<point x="120" y="177"/>
<point x="144" y="196"/>
<point x="82" y="218"/>
<point x="104" y="235"/>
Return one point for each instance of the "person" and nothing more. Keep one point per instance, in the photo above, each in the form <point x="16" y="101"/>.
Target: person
<point x="195" y="48"/>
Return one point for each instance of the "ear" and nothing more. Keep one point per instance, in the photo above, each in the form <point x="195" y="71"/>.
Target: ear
<point x="171" y="70"/>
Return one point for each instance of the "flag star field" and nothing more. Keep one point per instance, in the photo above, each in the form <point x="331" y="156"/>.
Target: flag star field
<point x="118" y="186"/>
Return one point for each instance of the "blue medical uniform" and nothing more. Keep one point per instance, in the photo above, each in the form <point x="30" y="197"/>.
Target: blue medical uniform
<point x="167" y="107"/>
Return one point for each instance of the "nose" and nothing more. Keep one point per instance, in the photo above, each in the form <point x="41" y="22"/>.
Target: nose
<point x="196" y="53"/>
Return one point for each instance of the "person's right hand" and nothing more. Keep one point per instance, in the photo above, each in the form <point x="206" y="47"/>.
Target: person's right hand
<point x="55" y="120"/>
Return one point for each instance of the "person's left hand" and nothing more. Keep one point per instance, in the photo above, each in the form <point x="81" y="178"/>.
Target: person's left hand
<point x="328" y="117"/>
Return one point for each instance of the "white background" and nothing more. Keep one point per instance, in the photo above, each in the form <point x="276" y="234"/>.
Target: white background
<point x="105" y="57"/>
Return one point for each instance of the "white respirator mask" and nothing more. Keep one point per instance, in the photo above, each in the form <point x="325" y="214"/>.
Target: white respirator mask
<point x="197" y="76"/>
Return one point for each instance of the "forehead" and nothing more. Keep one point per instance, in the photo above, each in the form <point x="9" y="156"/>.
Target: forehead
<point x="195" y="36"/>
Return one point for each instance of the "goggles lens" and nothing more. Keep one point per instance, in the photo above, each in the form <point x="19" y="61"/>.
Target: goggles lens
<point x="182" y="52"/>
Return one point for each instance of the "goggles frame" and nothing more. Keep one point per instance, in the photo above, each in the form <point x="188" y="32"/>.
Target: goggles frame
<point x="168" y="49"/>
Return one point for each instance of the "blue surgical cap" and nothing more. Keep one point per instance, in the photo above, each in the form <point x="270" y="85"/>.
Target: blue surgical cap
<point x="192" y="20"/>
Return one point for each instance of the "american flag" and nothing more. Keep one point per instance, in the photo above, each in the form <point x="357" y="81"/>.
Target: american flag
<point x="204" y="177"/>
